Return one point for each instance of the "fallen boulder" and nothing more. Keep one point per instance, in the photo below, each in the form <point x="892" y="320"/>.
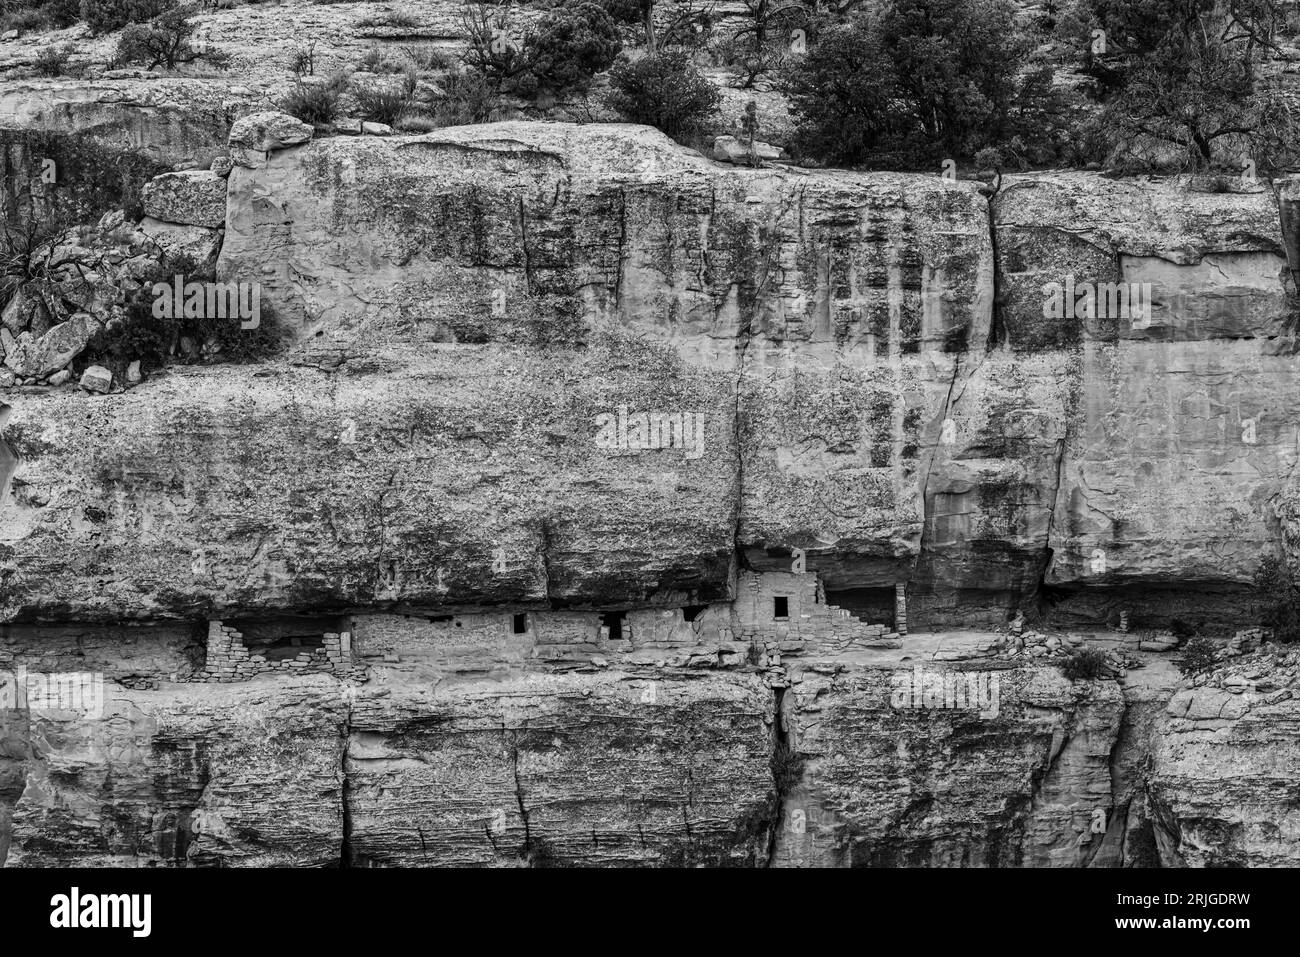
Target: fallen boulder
<point x="33" y="357"/>
<point x="252" y="137"/>
<point x="191" y="198"/>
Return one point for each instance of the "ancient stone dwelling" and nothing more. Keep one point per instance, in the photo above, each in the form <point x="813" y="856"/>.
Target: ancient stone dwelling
<point x="775" y="613"/>
<point x="787" y="612"/>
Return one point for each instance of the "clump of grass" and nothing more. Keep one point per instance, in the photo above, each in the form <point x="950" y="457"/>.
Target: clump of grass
<point x="1084" y="665"/>
<point x="53" y="61"/>
<point x="468" y="98"/>
<point x="378" y="60"/>
<point x="417" y="123"/>
<point x="381" y="104"/>
<point x="390" y="20"/>
<point x="427" y="58"/>
<point x="314" y="103"/>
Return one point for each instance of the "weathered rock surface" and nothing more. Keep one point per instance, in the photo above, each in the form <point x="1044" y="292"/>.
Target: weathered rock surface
<point x="477" y="321"/>
<point x="891" y="768"/>
<point x="189" y="198"/>
<point x="28" y="355"/>
<point x="562" y="770"/>
<point x="255" y="135"/>
<point x="250" y="468"/>
<point x="247" y="775"/>
<point x="1224" y="767"/>
<point x="168" y="121"/>
<point x="1176" y="432"/>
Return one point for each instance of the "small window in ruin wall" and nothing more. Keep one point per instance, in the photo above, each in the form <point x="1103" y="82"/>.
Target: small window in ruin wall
<point x="519" y="624"/>
<point x="780" y="607"/>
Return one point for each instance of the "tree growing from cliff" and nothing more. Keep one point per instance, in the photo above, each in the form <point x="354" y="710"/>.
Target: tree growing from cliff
<point x="919" y="81"/>
<point x="664" y="90"/>
<point x="105" y="16"/>
<point x="561" y="52"/>
<point x="686" y="23"/>
<point x="759" y="46"/>
<point x="1279" y="599"/>
<point x="167" y="40"/>
<point x="1187" y="75"/>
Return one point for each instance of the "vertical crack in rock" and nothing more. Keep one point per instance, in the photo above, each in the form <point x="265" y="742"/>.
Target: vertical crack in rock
<point x="523" y="244"/>
<point x="786" y="771"/>
<point x="954" y="396"/>
<point x="527" y="848"/>
<point x="1051" y="516"/>
<point x="1117" y="820"/>
<point x="622" y="246"/>
<point x="929" y="463"/>
<point x="345" y="790"/>
<point x="996" y="328"/>
<point x="546" y="560"/>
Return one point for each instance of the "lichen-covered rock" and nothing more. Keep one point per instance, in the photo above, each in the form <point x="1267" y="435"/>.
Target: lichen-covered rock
<point x="190" y="198"/>
<point x="269" y="455"/>
<point x="195" y="245"/>
<point x="165" y="120"/>
<point x="36" y="357"/>
<point x="729" y="149"/>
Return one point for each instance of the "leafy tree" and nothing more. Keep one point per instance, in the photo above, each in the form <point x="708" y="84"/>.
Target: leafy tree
<point x="839" y="96"/>
<point x="919" y="81"/>
<point x="105" y="16"/>
<point x="1186" y="74"/>
<point x="563" y="51"/>
<point x="1279" y="599"/>
<point x="164" y="41"/>
<point x="567" y="49"/>
<point x="664" y="90"/>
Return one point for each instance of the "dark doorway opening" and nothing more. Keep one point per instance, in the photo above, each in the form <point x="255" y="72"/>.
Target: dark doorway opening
<point x="872" y="605"/>
<point x="613" y="620"/>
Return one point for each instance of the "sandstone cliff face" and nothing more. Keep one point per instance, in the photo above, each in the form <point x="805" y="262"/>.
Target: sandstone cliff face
<point x="1010" y="778"/>
<point x="1177" y="434"/>
<point x="551" y="401"/>
<point x="882" y="421"/>
<point x="73" y="151"/>
<point x="1224" y="767"/>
